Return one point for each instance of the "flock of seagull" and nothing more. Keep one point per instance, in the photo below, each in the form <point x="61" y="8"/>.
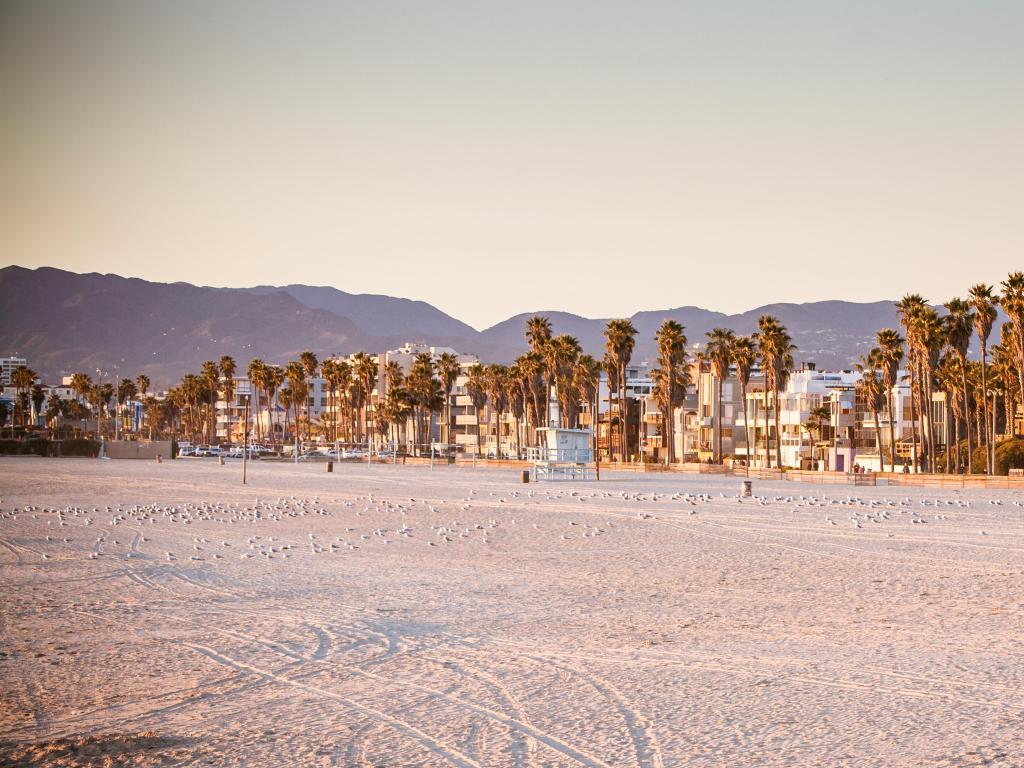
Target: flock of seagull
<point x="859" y="512"/>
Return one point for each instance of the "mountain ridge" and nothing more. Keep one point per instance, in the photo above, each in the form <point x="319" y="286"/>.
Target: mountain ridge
<point x="65" y="321"/>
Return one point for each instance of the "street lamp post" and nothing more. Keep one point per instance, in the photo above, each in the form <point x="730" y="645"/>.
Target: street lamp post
<point x="245" y="439"/>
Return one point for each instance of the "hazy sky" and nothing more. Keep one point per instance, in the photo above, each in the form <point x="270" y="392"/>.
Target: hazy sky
<point x="493" y="158"/>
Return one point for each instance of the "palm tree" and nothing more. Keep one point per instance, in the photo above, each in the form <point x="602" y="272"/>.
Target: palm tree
<point x="329" y="371"/>
<point x="496" y="385"/>
<point x="448" y="368"/>
<point x="1004" y="366"/>
<point x="959" y="323"/>
<point x="671" y="381"/>
<point x="476" y="388"/>
<point x="295" y="373"/>
<point x="287" y="398"/>
<point x="210" y="373"/>
<point x="620" y="340"/>
<point x="744" y="355"/>
<point x="344" y="408"/>
<point x="364" y="368"/>
<point x="984" y="303"/>
<point x="909" y="309"/>
<point x="126" y="391"/>
<point x="586" y="381"/>
<point x="309" y="363"/>
<point x="227" y="371"/>
<point x="815" y="425"/>
<point x="563" y="352"/>
<point x="22" y="379"/>
<point x="872" y="391"/>
<point x="538" y="334"/>
<point x="719" y="351"/>
<point x="890" y="355"/>
<point x="776" y="348"/>
<point x="420" y="384"/>
<point x="257" y="373"/>
<point x="531" y="379"/>
<point x="55" y="409"/>
<point x="1012" y="302"/>
<point x="38" y="397"/>
<point x="932" y="338"/>
<point x="142" y="384"/>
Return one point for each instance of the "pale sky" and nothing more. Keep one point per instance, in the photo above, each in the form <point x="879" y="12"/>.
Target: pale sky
<point x="494" y="158"/>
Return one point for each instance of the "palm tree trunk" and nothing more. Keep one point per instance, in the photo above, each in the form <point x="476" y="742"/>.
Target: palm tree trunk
<point x="946" y="412"/>
<point x="932" y="452"/>
<point x="984" y="401"/>
<point x="718" y="422"/>
<point x="913" y="414"/>
<point x="778" y="434"/>
<point x="878" y="439"/>
<point x="767" y="435"/>
<point x="746" y="424"/>
<point x="956" y="433"/>
<point x="967" y="411"/>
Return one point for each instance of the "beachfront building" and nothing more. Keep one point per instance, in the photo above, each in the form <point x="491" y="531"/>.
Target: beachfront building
<point x="7" y="366"/>
<point x="806" y="391"/>
<point x="631" y="414"/>
<point x="466" y="429"/>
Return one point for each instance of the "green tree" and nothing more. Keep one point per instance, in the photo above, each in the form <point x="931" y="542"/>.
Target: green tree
<point x="890" y="355"/>
<point x="448" y="368"/>
<point x="620" y="340"/>
<point x="871" y="390"/>
<point x="671" y="378"/>
<point x="984" y="303"/>
<point x="959" y="323"/>
<point x="538" y="334"/>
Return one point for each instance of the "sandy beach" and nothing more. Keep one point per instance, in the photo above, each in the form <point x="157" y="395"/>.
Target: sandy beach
<point x="398" y="616"/>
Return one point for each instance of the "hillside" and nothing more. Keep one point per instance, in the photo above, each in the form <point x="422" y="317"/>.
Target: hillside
<point x="63" y="321"/>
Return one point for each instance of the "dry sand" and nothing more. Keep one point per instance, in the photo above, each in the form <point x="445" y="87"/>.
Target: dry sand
<point x="394" y="616"/>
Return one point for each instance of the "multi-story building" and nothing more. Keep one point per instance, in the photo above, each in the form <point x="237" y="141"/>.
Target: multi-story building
<point x="7" y="366"/>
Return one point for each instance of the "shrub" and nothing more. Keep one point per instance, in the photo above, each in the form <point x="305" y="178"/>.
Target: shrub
<point x="1009" y="455"/>
<point x="43" y="447"/>
<point x="33" y="447"/>
<point x="80" y="446"/>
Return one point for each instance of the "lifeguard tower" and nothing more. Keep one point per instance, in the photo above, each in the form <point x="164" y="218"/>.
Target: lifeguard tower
<point x="562" y="454"/>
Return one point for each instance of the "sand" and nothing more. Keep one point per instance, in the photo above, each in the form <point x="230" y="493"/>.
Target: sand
<point x="398" y="616"/>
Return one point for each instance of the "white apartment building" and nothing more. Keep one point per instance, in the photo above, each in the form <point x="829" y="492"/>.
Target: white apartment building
<point x="848" y="434"/>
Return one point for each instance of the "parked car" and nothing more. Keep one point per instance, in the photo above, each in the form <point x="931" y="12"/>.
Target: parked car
<point x="313" y="456"/>
<point x="204" y="450"/>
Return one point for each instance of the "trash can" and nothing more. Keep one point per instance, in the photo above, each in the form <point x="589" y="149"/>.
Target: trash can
<point x="220" y="460"/>
<point x="746" y="488"/>
<point x="330" y="466"/>
<point x="526" y="475"/>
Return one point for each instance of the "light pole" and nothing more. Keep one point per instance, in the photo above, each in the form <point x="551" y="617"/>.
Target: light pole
<point x="99" y="407"/>
<point x="245" y="438"/>
<point x="117" y="405"/>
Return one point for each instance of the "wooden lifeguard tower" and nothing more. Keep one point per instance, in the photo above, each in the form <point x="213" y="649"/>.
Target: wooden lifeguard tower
<point x="562" y="454"/>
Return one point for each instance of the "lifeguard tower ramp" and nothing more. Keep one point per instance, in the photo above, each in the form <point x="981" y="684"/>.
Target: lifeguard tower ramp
<point x="562" y="454"/>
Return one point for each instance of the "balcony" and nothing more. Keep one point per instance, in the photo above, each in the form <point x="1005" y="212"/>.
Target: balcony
<point x="465" y="420"/>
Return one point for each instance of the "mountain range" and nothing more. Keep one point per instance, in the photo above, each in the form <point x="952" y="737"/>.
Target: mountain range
<point x="64" y="322"/>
